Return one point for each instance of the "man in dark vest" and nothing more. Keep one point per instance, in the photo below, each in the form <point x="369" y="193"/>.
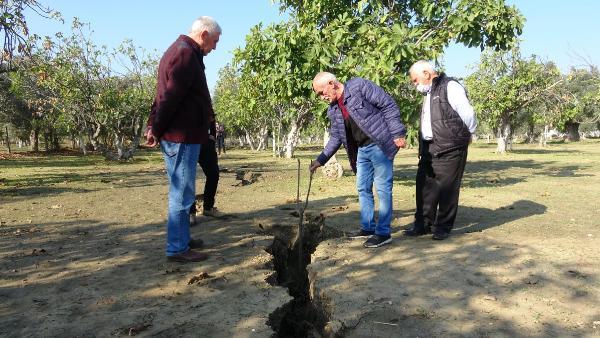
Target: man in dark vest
<point x="446" y="127"/>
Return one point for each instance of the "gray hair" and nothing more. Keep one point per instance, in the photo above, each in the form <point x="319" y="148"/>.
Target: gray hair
<point x="205" y="23"/>
<point x="420" y="66"/>
<point x="324" y="77"/>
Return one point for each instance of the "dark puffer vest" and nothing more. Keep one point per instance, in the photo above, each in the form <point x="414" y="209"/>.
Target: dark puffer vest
<point x="449" y="130"/>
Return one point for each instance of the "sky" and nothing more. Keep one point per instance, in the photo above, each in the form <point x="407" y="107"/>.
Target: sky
<point x="555" y="30"/>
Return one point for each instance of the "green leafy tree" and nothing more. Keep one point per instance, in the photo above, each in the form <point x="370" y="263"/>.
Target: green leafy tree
<point x="73" y="90"/>
<point x="504" y="88"/>
<point x="378" y="40"/>
<point x="581" y="104"/>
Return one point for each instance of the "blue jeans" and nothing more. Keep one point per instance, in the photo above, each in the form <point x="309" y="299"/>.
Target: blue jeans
<point x="180" y="161"/>
<point x="373" y="166"/>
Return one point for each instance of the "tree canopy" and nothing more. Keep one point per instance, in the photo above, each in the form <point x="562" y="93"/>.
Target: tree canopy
<point x="375" y="39"/>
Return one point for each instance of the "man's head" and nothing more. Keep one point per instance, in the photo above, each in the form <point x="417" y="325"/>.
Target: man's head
<point x="327" y="87"/>
<point x="422" y="74"/>
<point x="206" y="32"/>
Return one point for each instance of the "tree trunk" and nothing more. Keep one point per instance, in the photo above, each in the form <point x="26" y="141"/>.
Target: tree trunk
<point x="504" y="137"/>
<point x="82" y="144"/>
<point x="55" y="141"/>
<point x="263" y="137"/>
<point x="95" y="136"/>
<point x="249" y="139"/>
<point x="530" y="133"/>
<point x="7" y="139"/>
<point x="34" y="139"/>
<point x="291" y="140"/>
<point x="544" y="137"/>
<point x="572" y="129"/>
<point x="46" y="142"/>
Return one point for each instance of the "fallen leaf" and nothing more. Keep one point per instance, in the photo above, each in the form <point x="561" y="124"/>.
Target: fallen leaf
<point x="199" y="277"/>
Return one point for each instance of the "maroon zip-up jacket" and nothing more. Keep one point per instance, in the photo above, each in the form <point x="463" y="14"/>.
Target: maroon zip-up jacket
<point x="182" y="109"/>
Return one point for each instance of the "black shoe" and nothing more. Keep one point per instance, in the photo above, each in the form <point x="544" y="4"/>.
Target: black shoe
<point x="440" y="235"/>
<point x="188" y="256"/>
<point x="376" y="241"/>
<point x="417" y="230"/>
<point x="196" y="243"/>
<point x="361" y="234"/>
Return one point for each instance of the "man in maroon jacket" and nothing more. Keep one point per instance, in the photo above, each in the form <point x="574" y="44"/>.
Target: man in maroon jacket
<point x="180" y="119"/>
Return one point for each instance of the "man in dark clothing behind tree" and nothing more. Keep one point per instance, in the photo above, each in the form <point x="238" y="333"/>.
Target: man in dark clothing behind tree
<point x="445" y="131"/>
<point x="180" y="119"/>
<point x="209" y="162"/>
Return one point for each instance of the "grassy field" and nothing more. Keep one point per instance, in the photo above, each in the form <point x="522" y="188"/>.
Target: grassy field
<point x="81" y="239"/>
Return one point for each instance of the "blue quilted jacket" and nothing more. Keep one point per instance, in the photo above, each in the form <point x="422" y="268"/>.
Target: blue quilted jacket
<point x="376" y="114"/>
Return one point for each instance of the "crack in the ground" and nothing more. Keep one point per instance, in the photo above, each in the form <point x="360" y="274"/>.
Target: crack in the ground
<point x="300" y="317"/>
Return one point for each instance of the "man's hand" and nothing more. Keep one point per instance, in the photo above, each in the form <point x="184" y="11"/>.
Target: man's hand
<point x="313" y="166"/>
<point x="212" y="138"/>
<point x="151" y="141"/>
<point x="400" y="142"/>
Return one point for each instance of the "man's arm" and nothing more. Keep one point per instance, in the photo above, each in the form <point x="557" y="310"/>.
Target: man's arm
<point x="330" y="148"/>
<point x="457" y="97"/>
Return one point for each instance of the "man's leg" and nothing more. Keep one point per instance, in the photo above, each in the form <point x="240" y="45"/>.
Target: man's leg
<point x="384" y="179"/>
<point x="449" y="170"/>
<point x="180" y="161"/>
<point x="364" y="185"/>
<point x="210" y="166"/>
<point x="425" y="198"/>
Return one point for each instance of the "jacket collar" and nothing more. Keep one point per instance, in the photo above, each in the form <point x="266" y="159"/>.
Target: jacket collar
<point x="195" y="47"/>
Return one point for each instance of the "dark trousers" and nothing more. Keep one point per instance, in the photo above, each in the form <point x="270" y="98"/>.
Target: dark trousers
<point x="221" y="143"/>
<point x="438" y="186"/>
<point x="208" y="161"/>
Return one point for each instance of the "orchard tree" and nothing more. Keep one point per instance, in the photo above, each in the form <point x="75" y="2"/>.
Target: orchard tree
<point x="13" y="26"/>
<point x="582" y="100"/>
<point x="375" y="39"/>
<point x="239" y="105"/>
<point x="504" y="87"/>
<point x="71" y="88"/>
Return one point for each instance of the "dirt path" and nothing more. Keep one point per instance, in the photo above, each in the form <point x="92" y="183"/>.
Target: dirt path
<point x="82" y="253"/>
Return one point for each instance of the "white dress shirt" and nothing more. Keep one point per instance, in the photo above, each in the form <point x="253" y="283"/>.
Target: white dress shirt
<point x="457" y="97"/>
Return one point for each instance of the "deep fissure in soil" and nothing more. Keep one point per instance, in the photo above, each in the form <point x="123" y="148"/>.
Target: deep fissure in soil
<point x="291" y="254"/>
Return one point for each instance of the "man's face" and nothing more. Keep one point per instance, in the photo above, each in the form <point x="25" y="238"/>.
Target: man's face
<point x="209" y="41"/>
<point x="420" y="78"/>
<point x="326" y="90"/>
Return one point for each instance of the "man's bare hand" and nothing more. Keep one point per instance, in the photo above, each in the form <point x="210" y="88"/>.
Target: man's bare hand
<point x="400" y="142"/>
<point x="313" y="166"/>
<point x="151" y="140"/>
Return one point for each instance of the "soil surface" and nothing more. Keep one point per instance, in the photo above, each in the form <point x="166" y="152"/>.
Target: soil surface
<point x="82" y="251"/>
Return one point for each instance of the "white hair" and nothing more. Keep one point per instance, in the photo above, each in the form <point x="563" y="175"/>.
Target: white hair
<point x="205" y="23"/>
<point x="324" y="77"/>
<point x="421" y="66"/>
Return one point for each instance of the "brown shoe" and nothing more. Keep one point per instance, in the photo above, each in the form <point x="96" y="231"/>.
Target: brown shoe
<point x="196" y="243"/>
<point x="188" y="256"/>
<point x="212" y="212"/>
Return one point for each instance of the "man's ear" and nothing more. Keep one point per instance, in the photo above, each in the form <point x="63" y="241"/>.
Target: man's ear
<point x="204" y="35"/>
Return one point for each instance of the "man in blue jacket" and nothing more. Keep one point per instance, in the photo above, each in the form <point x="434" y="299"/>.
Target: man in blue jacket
<point x="366" y="120"/>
